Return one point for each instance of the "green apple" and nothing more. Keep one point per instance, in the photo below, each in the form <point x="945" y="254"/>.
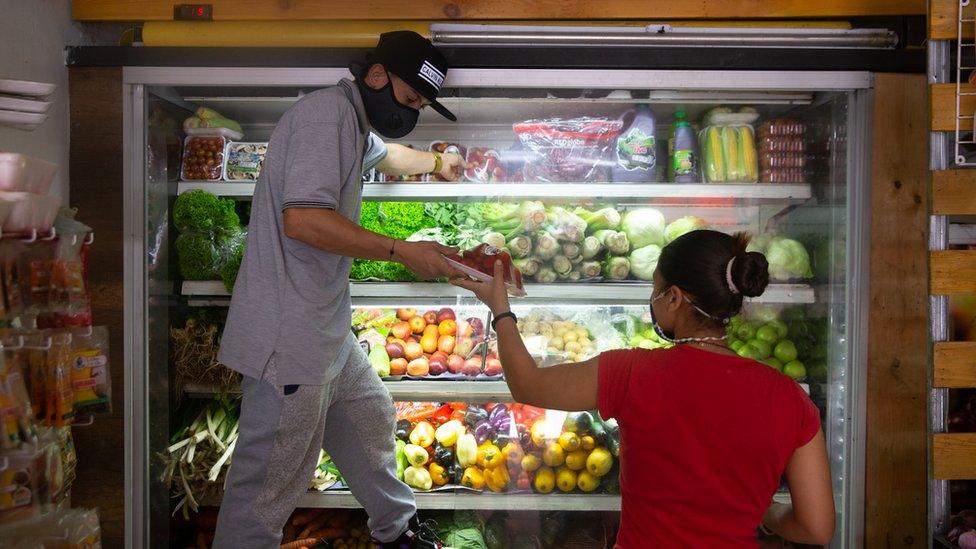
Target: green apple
<point x="746" y="331"/>
<point x="768" y="334"/>
<point x="785" y="351"/>
<point x="780" y="327"/>
<point x="763" y="313"/>
<point x="773" y="362"/>
<point x="748" y="351"/>
<point x="795" y="369"/>
<point x="736" y="344"/>
<point x="764" y="349"/>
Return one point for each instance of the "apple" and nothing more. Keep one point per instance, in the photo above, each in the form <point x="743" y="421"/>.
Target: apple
<point x="438" y="363"/>
<point x="406" y="314"/>
<point x="464" y="346"/>
<point x="477" y="326"/>
<point x="418" y="367"/>
<point x="464" y="329"/>
<point x="446" y="344"/>
<point x="430" y="317"/>
<point x="398" y="366"/>
<point x="493" y="367"/>
<point x="417" y="324"/>
<point x="395" y="350"/>
<point x="455" y="363"/>
<point x="413" y="351"/>
<point x="445" y="314"/>
<point x="398" y="341"/>
<point x="400" y="330"/>
<point x="431" y="331"/>
<point x="472" y="366"/>
<point x="447" y="327"/>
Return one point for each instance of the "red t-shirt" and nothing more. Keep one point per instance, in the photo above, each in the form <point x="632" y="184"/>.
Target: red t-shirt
<point x="705" y="439"/>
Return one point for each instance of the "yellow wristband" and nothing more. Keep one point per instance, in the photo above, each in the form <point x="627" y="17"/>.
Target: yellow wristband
<point x="438" y="162"/>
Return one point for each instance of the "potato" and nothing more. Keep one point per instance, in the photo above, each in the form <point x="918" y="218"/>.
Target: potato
<point x="569" y="336"/>
<point x="573" y="347"/>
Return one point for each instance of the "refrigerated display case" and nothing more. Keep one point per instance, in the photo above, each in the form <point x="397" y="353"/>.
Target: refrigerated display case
<point x="823" y="137"/>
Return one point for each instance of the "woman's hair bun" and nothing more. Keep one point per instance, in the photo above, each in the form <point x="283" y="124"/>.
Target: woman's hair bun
<point x="750" y="273"/>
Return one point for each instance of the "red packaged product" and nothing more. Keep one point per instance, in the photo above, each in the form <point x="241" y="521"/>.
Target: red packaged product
<point x="782" y="144"/>
<point x="781" y="127"/>
<point x="479" y="264"/>
<point x="783" y="160"/>
<point x="445" y="147"/>
<point x="568" y="150"/>
<point x="203" y="158"/>
<point x="783" y="175"/>
<point x="484" y="165"/>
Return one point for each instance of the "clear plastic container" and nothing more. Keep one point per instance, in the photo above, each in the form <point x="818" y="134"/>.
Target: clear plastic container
<point x="446" y="147"/>
<point x="203" y="158"/>
<point x="29" y="211"/>
<point x="244" y="160"/>
<point x="782" y="144"/>
<point x="484" y="165"/>
<point x="783" y="160"/>
<point x="783" y="175"/>
<point x="728" y="154"/>
<point x="22" y="173"/>
<point x="781" y="127"/>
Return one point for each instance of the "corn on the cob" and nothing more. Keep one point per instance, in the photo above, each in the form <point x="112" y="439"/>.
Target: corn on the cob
<point x="730" y="138"/>
<point x="714" y="157"/>
<point x="749" y="164"/>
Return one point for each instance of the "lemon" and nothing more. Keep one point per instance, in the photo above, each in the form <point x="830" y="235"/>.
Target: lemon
<point x="566" y="479"/>
<point x="599" y="462"/>
<point x="587" y="482"/>
<point x="569" y="441"/>
<point x="577" y="460"/>
<point x="545" y="480"/>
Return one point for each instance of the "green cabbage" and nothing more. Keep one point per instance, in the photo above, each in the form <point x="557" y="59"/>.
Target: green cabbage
<point x="683" y="226"/>
<point x="787" y="259"/>
<point x="643" y="261"/>
<point x="643" y="226"/>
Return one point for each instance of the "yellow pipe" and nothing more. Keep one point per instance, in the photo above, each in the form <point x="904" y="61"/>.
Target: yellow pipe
<point x="363" y="34"/>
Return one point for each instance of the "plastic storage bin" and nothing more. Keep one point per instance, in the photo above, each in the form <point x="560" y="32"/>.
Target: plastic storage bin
<point x="22" y="173"/>
<point x="29" y="211"/>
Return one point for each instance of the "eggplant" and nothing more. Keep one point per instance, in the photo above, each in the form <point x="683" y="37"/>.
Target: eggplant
<point x="482" y="432"/>
<point x="444" y="456"/>
<point x="475" y="415"/>
<point x="499" y="418"/>
<point x="402" y="430"/>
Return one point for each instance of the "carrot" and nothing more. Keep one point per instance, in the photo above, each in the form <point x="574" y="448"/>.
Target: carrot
<point x="417" y="415"/>
<point x="308" y="542"/>
<point x="289" y="532"/>
<point x="329" y="533"/>
<point x="304" y="517"/>
<point x="316" y="524"/>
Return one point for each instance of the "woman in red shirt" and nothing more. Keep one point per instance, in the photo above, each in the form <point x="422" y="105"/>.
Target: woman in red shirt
<point x="706" y="435"/>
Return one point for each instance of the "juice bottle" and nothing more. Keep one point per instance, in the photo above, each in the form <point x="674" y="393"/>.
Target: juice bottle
<point x="636" y="151"/>
<point x="683" y="157"/>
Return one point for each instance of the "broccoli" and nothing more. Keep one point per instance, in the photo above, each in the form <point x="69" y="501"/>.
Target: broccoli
<point x="202" y="211"/>
<point x="198" y="256"/>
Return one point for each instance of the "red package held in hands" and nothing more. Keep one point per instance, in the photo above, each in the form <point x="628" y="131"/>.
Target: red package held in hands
<point x="479" y="264"/>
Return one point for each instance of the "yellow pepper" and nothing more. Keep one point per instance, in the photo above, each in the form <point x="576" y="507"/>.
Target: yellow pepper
<point x="467" y="450"/>
<point x="473" y="478"/>
<point x="448" y="433"/>
<point x="438" y="474"/>
<point x="489" y="456"/>
<point x="497" y="479"/>
<point x="423" y="434"/>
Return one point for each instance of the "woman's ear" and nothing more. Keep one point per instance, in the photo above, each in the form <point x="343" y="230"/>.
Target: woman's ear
<point x="674" y="299"/>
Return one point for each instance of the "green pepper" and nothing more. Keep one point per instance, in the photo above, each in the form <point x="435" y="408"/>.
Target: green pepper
<point x="401" y="458"/>
<point x="402" y="430"/>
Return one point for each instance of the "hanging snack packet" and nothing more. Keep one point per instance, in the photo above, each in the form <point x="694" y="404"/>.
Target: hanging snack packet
<point x="89" y="372"/>
<point x="68" y="288"/>
<point x="10" y="280"/>
<point x="59" y="404"/>
<point x="39" y="259"/>
<point x="18" y="416"/>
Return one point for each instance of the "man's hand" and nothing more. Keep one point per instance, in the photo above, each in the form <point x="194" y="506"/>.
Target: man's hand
<point x="451" y="166"/>
<point x="426" y="259"/>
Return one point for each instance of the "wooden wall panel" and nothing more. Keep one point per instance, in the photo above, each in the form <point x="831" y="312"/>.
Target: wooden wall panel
<point x="953" y="272"/>
<point x="943" y="106"/>
<point x="897" y="435"/>
<point x="250" y="10"/>
<point x="954" y="364"/>
<point x="954" y="192"/>
<point x="953" y="456"/>
<point x="96" y="190"/>
<point x="943" y="15"/>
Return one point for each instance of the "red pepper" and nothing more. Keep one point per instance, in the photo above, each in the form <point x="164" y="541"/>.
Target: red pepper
<point x="442" y="414"/>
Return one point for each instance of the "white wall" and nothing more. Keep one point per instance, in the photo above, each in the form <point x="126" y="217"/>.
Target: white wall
<point x="33" y="35"/>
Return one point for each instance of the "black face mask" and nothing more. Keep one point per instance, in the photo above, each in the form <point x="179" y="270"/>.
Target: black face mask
<point x="387" y="115"/>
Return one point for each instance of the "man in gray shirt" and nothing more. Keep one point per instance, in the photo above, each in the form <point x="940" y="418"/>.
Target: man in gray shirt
<point x="307" y="384"/>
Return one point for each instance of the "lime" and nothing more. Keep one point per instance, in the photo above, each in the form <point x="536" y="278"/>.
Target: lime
<point x="746" y="331"/>
<point x="780" y="327"/>
<point x="785" y="351"/>
<point x="748" y="351"/>
<point x="736" y="344"/>
<point x="773" y="362"/>
<point x="768" y="334"/>
<point x="795" y="369"/>
<point x="764" y="349"/>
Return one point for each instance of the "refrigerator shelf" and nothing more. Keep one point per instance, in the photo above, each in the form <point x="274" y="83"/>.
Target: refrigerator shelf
<point x="754" y="193"/>
<point x="605" y="293"/>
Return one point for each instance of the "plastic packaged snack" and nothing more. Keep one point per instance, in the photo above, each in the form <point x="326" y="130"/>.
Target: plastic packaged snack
<point x="38" y="262"/>
<point x="244" y="161"/>
<point x="484" y="165"/>
<point x="479" y="263"/>
<point x="781" y="127"/>
<point x="23" y="484"/>
<point x="446" y="147"/>
<point x="59" y="404"/>
<point x="203" y="158"/>
<point x="729" y="154"/>
<point x="569" y="150"/>
<point x="90" y="379"/>
<point x="69" y="298"/>
<point x="17" y="421"/>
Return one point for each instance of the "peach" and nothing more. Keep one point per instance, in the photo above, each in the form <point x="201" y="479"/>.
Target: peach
<point x="398" y="367"/>
<point x="413" y="351"/>
<point x="418" y="367"/>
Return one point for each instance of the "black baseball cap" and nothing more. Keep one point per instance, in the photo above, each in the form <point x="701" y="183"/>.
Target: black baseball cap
<point x="417" y="62"/>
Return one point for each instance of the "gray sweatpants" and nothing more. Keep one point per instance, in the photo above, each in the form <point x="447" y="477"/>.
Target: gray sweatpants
<point x="351" y="416"/>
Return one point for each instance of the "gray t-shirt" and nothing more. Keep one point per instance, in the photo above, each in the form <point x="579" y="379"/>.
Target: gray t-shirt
<point x="292" y="299"/>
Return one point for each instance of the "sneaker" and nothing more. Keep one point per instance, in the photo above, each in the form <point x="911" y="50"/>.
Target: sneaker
<point x="419" y="535"/>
